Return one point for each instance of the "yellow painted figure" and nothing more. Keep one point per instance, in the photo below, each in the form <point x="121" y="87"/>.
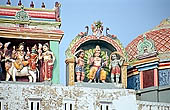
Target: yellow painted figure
<point x="20" y="58"/>
<point x="97" y="65"/>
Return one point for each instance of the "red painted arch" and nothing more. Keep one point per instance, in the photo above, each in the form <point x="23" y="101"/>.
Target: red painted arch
<point x="103" y="38"/>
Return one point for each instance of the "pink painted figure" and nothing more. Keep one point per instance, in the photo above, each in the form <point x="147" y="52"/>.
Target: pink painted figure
<point x="48" y="59"/>
<point x="79" y="55"/>
<point x="115" y="65"/>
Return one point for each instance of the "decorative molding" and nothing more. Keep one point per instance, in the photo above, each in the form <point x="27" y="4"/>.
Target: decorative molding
<point x="22" y="15"/>
<point x="146" y="48"/>
<point x="136" y="72"/>
<point x="144" y="61"/>
<point x="147" y="66"/>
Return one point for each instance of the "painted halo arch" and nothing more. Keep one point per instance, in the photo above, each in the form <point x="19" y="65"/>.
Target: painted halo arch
<point x="115" y="44"/>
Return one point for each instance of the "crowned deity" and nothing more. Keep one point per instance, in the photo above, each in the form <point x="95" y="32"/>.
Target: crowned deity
<point x="97" y="65"/>
<point x="20" y="61"/>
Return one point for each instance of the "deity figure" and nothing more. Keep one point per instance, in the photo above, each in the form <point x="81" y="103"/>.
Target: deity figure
<point x="80" y="65"/>
<point x="48" y="59"/>
<point x="97" y="65"/>
<point x="33" y="58"/>
<point x="1" y="53"/>
<point x="40" y="46"/>
<point x="57" y="11"/>
<point x="97" y="28"/>
<point x="115" y="67"/>
<point x="13" y="52"/>
<point x="20" y="61"/>
<point x="5" y="51"/>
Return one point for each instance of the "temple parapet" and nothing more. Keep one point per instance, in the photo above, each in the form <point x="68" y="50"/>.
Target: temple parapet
<point x="30" y="23"/>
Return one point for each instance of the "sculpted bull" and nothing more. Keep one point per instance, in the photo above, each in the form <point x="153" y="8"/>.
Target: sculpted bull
<point x="25" y="71"/>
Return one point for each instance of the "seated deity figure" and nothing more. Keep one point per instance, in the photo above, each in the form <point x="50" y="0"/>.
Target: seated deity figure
<point x="97" y="65"/>
<point x="20" y="61"/>
<point x="48" y="59"/>
<point x="115" y="67"/>
<point x="79" y="56"/>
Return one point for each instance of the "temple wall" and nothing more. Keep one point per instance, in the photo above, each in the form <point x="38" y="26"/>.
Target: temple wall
<point x="155" y="94"/>
<point x="144" y="105"/>
<point x="47" y="96"/>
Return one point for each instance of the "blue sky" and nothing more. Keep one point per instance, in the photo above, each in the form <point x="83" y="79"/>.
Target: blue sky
<point x="126" y="18"/>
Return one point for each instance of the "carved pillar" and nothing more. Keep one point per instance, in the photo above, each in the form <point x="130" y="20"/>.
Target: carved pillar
<point x="124" y="75"/>
<point x="155" y="77"/>
<point x="141" y="79"/>
<point x="70" y="71"/>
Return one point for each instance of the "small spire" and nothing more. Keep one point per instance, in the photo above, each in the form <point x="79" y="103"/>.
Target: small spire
<point x="32" y="4"/>
<point x="8" y="3"/>
<point x="43" y="5"/>
<point x="19" y="4"/>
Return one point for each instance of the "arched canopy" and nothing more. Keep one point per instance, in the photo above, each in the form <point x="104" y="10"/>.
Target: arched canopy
<point x="91" y="41"/>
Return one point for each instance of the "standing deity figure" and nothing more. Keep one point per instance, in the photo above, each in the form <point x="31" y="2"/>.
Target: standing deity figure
<point x="20" y="61"/>
<point x="97" y="65"/>
<point x="79" y="56"/>
<point x="33" y="58"/>
<point x="6" y="51"/>
<point x="40" y="46"/>
<point x="57" y="11"/>
<point x="1" y="54"/>
<point x="115" y="65"/>
<point x="48" y="59"/>
<point x="13" y="52"/>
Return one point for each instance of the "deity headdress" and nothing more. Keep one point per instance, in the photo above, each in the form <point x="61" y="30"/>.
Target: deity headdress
<point x="46" y="44"/>
<point x="22" y="43"/>
<point x="34" y="49"/>
<point x="97" y="49"/>
<point x="78" y="52"/>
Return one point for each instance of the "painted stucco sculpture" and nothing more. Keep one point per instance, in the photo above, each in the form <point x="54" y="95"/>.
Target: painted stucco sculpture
<point x="97" y="64"/>
<point x="116" y="61"/>
<point x="88" y="43"/>
<point x="33" y="26"/>
<point x="79" y="69"/>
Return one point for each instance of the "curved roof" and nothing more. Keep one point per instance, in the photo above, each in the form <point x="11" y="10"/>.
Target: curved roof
<point x="160" y="35"/>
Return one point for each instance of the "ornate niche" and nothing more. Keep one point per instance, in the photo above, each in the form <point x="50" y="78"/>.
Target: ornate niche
<point x="87" y="48"/>
<point x="146" y="48"/>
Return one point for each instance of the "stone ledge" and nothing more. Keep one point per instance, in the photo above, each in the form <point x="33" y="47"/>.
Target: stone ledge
<point x="99" y="85"/>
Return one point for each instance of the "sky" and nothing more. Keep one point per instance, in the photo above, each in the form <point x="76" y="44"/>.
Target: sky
<point x="126" y="18"/>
